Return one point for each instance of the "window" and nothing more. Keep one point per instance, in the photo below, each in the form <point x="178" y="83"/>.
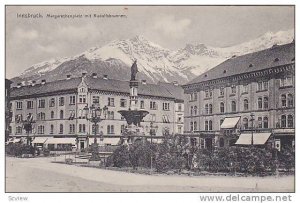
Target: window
<point x="192" y="126"/>
<point x="266" y="102"/>
<point x="259" y="103"/>
<point x="18" y="130"/>
<point x="82" y="128"/>
<point x="153" y="105"/>
<point x="245" y="123"/>
<point x="51" y="129"/>
<point x="41" y="103"/>
<point x="111" y="101"/>
<point x="290" y="121"/>
<point x="96" y="99"/>
<point x="245" y="88"/>
<point x="195" y="110"/>
<point x="192" y="110"/>
<point x="61" y="129"/>
<point x="72" y="114"/>
<point x="286" y="82"/>
<point x="210" y="125"/>
<point x="152" y="117"/>
<point x="179" y="107"/>
<point x="283" y="121"/>
<point x="233" y="89"/>
<point x="122" y="128"/>
<point x="233" y="106"/>
<point x="19" y="105"/>
<point x="110" y="115"/>
<point x="72" y="129"/>
<point x="166" y="106"/>
<point x="221" y="121"/>
<point x="52" y="114"/>
<point x="259" y="119"/>
<point x="222" y="110"/>
<point x="266" y="122"/>
<point x="259" y="86"/>
<point x="246" y="105"/>
<point x="61" y="114"/>
<point x="72" y="100"/>
<point x="179" y="118"/>
<point x="41" y="116"/>
<point x="195" y="126"/>
<point x="193" y="96"/>
<point x="29" y="104"/>
<point x="41" y="129"/>
<point x="221" y="142"/>
<point x="206" y="125"/>
<point x="265" y="85"/>
<point x="142" y="104"/>
<point x="221" y="91"/>
<point x="82" y="99"/>
<point x="122" y="102"/>
<point x="283" y="100"/>
<point x="19" y="118"/>
<point x="290" y="99"/>
<point x="52" y="102"/>
<point x="179" y="129"/>
<point x="110" y="129"/>
<point x="208" y="93"/>
<point x="206" y="109"/>
<point x="61" y="101"/>
<point x="95" y="129"/>
<point x="210" y="108"/>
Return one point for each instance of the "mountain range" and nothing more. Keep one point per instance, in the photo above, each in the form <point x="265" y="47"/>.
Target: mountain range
<point x="155" y="63"/>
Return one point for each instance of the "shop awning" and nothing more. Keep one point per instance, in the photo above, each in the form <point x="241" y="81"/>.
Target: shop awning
<point x="110" y="140"/>
<point x="258" y="138"/>
<point x="70" y="140"/>
<point x="230" y="122"/>
<point x="39" y="140"/>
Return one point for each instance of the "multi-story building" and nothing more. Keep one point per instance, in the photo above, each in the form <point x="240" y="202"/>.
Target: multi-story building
<point x="7" y="108"/>
<point x="245" y="100"/>
<point x="58" y="109"/>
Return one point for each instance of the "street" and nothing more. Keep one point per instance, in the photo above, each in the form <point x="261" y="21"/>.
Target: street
<point x="40" y="175"/>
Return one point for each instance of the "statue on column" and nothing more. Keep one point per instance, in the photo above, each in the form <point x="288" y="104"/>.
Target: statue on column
<point x="134" y="70"/>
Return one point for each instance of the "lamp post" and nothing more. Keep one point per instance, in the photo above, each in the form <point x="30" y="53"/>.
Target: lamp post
<point x="252" y="127"/>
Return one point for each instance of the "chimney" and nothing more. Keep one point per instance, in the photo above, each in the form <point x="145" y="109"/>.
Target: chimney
<point x="144" y="82"/>
<point x="43" y="82"/>
<point x="19" y="85"/>
<point x="175" y="83"/>
<point x="105" y="77"/>
<point x="94" y="75"/>
<point x="33" y="83"/>
<point x="68" y="77"/>
<point x="83" y="74"/>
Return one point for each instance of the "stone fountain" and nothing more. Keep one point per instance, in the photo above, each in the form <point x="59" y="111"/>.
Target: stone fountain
<point x="133" y="115"/>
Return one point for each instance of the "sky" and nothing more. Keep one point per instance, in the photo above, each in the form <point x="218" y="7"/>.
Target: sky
<point x="33" y="40"/>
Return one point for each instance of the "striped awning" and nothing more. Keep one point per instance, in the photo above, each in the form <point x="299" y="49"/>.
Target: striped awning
<point x="258" y="138"/>
<point x="40" y="140"/>
<point x="230" y="122"/>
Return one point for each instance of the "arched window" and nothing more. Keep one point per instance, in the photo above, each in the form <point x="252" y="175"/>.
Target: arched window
<point x="259" y="103"/>
<point x="206" y="108"/>
<point x="290" y="121"/>
<point x="195" y="110"/>
<point x="221" y="142"/>
<point x="52" y="114"/>
<point x="266" y="102"/>
<point x="61" y="114"/>
<point x="259" y="119"/>
<point x="246" y="104"/>
<point x="233" y="106"/>
<point x="192" y="110"/>
<point x="283" y="121"/>
<point x="266" y="122"/>
<point x="210" y="125"/>
<point x="290" y="100"/>
<point x="245" y="123"/>
<point x="283" y="100"/>
<point x="195" y="126"/>
<point x="210" y="109"/>
<point x="206" y="125"/>
<point x="222" y="107"/>
<point x="192" y="126"/>
<point x="61" y="128"/>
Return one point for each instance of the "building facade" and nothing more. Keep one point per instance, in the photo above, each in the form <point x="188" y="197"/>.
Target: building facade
<point x="248" y="98"/>
<point x="58" y="109"/>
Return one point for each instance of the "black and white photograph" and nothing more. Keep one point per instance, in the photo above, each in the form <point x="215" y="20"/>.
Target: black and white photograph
<point x="149" y="99"/>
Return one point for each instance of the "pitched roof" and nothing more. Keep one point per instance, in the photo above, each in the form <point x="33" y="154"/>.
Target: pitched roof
<point x="176" y="90"/>
<point x="93" y="83"/>
<point x="278" y="55"/>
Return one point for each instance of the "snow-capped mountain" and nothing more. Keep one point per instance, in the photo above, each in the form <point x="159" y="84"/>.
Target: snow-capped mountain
<point x="155" y="63"/>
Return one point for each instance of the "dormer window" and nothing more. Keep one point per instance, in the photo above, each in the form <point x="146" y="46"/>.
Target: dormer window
<point x="276" y="60"/>
<point x="205" y="75"/>
<point x="250" y="65"/>
<point x="224" y="71"/>
<point x="293" y="59"/>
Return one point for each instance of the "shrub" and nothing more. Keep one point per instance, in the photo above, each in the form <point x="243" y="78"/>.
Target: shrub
<point x="120" y="157"/>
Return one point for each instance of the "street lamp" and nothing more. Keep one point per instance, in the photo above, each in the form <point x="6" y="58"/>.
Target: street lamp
<point x="252" y="127"/>
<point x="93" y="114"/>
